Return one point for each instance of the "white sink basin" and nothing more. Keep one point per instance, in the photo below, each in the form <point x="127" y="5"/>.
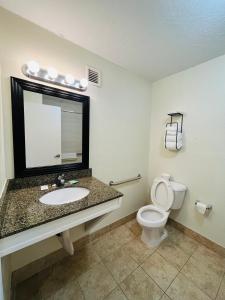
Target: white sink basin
<point x="64" y="196"/>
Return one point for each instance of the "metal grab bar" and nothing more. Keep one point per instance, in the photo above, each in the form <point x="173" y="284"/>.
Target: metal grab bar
<point x="124" y="181"/>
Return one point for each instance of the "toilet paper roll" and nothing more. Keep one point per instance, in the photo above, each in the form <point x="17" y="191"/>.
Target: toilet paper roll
<point x="201" y="207"/>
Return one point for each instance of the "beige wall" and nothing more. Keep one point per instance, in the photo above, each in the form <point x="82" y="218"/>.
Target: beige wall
<point x="2" y="150"/>
<point x="5" y="262"/>
<point x="119" y="114"/>
<point x="119" y="127"/>
<point x="199" y="92"/>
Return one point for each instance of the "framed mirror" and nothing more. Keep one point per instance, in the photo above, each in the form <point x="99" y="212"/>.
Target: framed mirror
<point x="50" y="129"/>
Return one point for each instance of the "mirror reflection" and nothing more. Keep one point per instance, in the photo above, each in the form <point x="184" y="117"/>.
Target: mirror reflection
<point x="53" y="130"/>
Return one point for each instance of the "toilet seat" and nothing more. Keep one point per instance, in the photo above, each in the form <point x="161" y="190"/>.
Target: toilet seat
<point x="165" y="195"/>
<point x="152" y="216"/>
<point x="156" y="214"/>
<point x="162" y="194"/>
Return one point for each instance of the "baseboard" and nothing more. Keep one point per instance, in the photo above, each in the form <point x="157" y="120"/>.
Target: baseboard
<point x="49" y="260"/>
<point x="198" y="237"/>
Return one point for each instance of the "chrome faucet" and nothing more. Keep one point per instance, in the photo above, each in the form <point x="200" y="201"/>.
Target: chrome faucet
<point x="60" y="180"/>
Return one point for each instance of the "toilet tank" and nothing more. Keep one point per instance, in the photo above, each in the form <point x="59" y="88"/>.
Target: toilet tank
<point x="179" y="194"/>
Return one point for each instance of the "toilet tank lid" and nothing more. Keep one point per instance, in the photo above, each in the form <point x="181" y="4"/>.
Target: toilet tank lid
<point x="178" y="187"/>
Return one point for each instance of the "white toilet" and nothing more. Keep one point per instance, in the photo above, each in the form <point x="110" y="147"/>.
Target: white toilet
<point x="165" y="195"/>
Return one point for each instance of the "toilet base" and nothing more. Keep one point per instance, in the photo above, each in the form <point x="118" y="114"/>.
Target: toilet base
<point x="152" y="237"/>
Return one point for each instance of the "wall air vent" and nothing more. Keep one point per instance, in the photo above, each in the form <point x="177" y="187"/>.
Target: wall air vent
<point x="94" y="76"/>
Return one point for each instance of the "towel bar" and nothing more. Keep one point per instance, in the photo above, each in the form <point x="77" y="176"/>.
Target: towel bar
<point x="125" y="181"/>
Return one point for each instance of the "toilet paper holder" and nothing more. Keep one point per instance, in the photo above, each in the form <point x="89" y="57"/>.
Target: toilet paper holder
<point x="208" y="207"/>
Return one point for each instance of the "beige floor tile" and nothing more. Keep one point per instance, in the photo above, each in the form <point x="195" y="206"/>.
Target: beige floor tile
<point x="28" y="289"/>
<point x="111" y="241"/>
<point x="183" y="289"/>
<point x="139" y="286"/>
<point x="85" y="253"/>
<point x="221" y="293"/>
<point x="97" y="282"/>
<point x="161" y="271"/>
<point x="214" y="261"/>
<point x="84" y="276"/>
<point x="134" y="227"/>
<point x="138" y="250"/>
<point x="70" y="291"/>
<point x="181" y="240"/>
<point x="74" y="266"/>
<point x="165" y="297"/>
<point x="120" y="264"/>
<point x="105" y="245"/>
<point x="50" y="285"/>
<point x="122" y="234"/>
<point x="173" y="254"/>
<point x="203" y="276"/>
<point x="116" y="294"/>
<point x="59" y="283"/>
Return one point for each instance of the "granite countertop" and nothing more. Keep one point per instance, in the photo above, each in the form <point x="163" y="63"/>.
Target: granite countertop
<point x="23" y="210"/>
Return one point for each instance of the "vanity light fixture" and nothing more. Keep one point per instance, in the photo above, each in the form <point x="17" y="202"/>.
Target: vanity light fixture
<point x="83" y="83"/>
<point x="69" y="79"/>
<point x="33" y="67"/>
<point x="51" y="73"/>
<point x="32" y="70"/>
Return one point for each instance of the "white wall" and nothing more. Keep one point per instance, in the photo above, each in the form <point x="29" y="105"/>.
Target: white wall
<point x="199" y="92"/>
<point x="42" y="131"/>
<point x="71" y="123"/>
<point x="119" y="114"/>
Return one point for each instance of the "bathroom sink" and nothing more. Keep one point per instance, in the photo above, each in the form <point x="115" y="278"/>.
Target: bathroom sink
<point x="64" y="196"/>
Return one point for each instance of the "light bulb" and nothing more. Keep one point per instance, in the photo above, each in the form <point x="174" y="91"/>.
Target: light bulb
<point x="83" y="83"/>
<point x="69" y="79"/>
<point x="52" y="73"/>
<point x="33" y="67"/>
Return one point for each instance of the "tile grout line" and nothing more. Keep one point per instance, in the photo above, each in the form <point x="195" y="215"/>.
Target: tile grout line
<point x="117" y="284"/>
<point x="169" y="264"/>
<point x="190" y="280"/>
<point x="80" y="288"/>
<point x="138" y="264"/>
<point x="195" y="283"/>
<point x="152" y="280"/>
<point x="220" y="284"/>
<point x="197" y="287"/>
<point x="101" y="259"/>
<point x="179" y="272"/>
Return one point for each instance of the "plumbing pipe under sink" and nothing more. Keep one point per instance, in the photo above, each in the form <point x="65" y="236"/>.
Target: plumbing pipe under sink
<point x="65" y="240"/>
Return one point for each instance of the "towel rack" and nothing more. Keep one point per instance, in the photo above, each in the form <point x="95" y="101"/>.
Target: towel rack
<point x="172" y="115"/>
<point x="124" y="181"/>
<point x="177" y="114"/>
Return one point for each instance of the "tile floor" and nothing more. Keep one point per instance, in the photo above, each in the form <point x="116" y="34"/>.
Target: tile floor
<point x="118" y="266"/>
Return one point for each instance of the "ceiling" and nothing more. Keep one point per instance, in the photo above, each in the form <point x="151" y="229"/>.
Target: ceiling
<point x="153" y="38"/>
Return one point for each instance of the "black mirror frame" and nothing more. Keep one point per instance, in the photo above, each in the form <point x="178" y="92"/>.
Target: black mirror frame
<point x="17" y="87"/>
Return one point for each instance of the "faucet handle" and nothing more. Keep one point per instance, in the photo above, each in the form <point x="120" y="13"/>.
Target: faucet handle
<point x="62" y="179"/>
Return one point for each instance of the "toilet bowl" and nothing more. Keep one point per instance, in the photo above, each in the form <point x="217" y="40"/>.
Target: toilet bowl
<point x="165" y="195"/>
